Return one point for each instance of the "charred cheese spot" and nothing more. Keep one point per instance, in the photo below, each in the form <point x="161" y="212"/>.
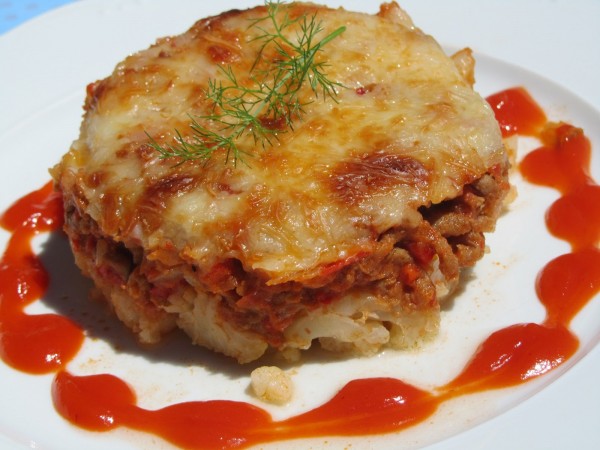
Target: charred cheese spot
<point x="273" y="124"/>
<point x="96" y="179"/>
<point x="145" y="153"/>
<point x="221" y="54"/>
<point x="377" y="173"/>
<point x="157" y="196"/>
<point x="94" y="94"/>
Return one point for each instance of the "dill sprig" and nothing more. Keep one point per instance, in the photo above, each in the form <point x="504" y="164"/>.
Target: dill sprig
<point x="270" y="103"/>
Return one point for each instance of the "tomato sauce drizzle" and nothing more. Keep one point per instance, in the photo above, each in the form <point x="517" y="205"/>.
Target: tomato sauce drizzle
<point x="40" y="343"/>
<point x="508" y="357"/>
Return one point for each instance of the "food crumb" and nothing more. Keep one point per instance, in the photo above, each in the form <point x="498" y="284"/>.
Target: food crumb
<point x="271" y="384"/>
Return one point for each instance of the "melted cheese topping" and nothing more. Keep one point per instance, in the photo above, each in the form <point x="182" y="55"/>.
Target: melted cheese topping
<point x="407" y="130"/>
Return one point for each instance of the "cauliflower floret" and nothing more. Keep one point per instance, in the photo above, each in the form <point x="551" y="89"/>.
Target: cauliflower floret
<point x="271" y="384"/>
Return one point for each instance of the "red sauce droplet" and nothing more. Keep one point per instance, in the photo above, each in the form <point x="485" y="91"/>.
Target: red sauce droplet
<point x="513" y="355"/>
<point x="567" y="283"/>
<point x="562" y="162"/>
<point x="366" y="406"/>
<point x="517" y="113"/>
<point x="510" y="356"/>
<point x="39" y="211"/>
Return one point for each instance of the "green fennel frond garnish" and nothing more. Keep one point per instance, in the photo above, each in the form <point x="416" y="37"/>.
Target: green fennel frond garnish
<point x="270" y="102"/>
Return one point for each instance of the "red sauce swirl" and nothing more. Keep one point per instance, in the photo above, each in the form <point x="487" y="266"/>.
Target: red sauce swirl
<point x="510" y="356"/>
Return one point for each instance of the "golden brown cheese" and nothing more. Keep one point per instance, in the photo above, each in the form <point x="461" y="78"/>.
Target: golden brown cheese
<point x="406" y="132"/>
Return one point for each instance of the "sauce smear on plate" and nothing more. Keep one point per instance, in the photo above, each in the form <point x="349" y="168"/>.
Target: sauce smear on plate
<point x="40" y="343"/>
<point x="510" y="356"/>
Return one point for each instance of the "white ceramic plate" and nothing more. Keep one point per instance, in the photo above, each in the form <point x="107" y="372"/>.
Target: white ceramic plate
<point x="45" y="66"/>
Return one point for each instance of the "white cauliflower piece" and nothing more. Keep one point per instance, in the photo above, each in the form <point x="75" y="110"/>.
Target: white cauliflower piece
<point x="271" y="384"/>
